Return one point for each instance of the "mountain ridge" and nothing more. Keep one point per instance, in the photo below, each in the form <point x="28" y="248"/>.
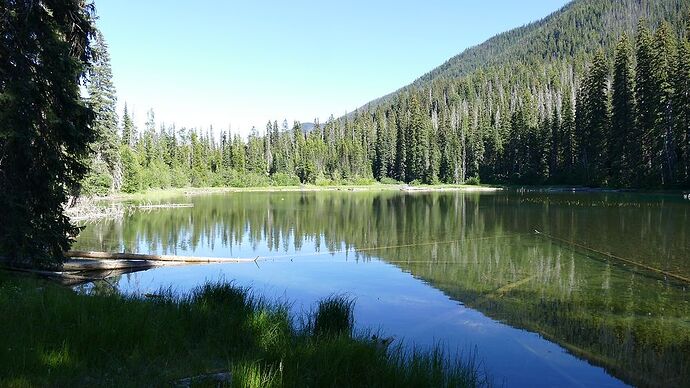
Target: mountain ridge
<point x="521" y="41"/>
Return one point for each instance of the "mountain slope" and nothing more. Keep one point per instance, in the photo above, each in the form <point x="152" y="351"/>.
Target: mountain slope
<point x="570" y="34"/>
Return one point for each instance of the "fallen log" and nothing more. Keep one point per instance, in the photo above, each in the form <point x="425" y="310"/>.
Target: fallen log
<point x="139" y="256"/>
<point x="623" y="260"/>
<point x="105" y="264"/>
<point x="70" y="278"/>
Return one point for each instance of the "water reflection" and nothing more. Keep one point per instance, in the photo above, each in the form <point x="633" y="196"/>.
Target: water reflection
<point x="480" y="250"/>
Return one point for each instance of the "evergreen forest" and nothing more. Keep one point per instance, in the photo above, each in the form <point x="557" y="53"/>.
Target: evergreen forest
<point x="596" y="94"/>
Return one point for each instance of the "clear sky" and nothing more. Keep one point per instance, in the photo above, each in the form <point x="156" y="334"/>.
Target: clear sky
<point x="240" y="63"/>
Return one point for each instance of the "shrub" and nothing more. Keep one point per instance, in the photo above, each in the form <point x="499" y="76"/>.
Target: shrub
<point x="361" y="181"/>
<point x="474" y="180"/>
<point x="325" y="182"/>
<point x="283" y="179"/>
<point x="245" y="179"/>
<point x="389" y="181"/>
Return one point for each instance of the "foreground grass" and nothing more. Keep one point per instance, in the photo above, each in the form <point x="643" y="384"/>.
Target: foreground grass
<point x="52" y="336"/>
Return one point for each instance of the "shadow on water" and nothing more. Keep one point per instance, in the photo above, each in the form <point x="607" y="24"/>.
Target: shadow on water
<point x="632" y="322"/>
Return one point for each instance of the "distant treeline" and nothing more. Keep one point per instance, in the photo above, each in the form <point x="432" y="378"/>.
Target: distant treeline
<point x="619" y="119"/>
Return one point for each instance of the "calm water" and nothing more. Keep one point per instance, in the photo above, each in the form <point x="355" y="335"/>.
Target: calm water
<point x="465" y="270"/>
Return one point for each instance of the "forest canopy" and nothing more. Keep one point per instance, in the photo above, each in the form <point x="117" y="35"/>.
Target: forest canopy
<point x="595" y="94"/>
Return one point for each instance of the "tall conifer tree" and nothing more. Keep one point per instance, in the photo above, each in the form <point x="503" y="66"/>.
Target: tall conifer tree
<point x="45" y="126"/>
<point x="681" y="108"/>
<point x="646" y="100"/>
<point x="663" y="141"/>
<point x="624" y="141"/>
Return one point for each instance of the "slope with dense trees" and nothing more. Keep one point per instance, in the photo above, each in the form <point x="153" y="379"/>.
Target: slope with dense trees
<point x="594" y="94"/>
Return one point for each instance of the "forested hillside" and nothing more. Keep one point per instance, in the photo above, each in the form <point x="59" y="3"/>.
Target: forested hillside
<point x="595" y="94"/>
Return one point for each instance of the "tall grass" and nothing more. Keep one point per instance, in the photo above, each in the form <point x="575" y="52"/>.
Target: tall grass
<point x="52" y="336"/>
<point x="334" y="316"/>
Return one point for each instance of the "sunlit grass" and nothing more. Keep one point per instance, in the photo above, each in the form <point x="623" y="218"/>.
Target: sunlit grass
<point x="53" y="336"/>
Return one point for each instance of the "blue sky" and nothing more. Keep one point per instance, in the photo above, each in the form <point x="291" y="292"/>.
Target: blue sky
<point x="240" y="63"/>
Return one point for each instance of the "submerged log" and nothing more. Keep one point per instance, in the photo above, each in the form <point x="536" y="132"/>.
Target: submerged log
<point x="221" y="379"/>
<point x="166" y="206"/>
<point x="139" y="256"/>
<point x="103" y="265"/>
<point x="650" y="269"/>
<point x="72" y="278"/>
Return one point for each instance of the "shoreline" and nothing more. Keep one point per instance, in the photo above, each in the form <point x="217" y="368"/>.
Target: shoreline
<point x="92" y="208"/>
<point x="377" y="187"/>
<point x="192" y="191"/>
<point x="89" y="209"/>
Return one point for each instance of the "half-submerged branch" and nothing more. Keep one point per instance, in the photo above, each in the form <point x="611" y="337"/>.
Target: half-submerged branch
<point x="139" y="256"/>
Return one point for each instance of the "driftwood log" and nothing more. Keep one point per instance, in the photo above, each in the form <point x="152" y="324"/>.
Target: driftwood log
<point x="139" y="256"/>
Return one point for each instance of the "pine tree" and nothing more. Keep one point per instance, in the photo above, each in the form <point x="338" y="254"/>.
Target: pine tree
<point x="256" y="159"/>
<point x="128" y="130"/>
<point x="297" y="143"/>
<point x="663" y="141"/>
<point x="433" y="157"/>
<point x="225" y="150"/>
<point x="594" y="142"/>
<point x="45" y="126"/>
<point x="580" y="133"/>
<point x="105" y="172"/>
<point x="390" y="142"/>
<point x="646" y="103"/>
<point x="267" y="145"/>
<point x="624" y="141"/>
<point x="419" y="148"/>
<point x="380" y="165"/>
<point x="445" y="144"/>
<point x="542" y="150"/>
<point x="568" y="139"/>
<point x="147" y="151"/>
<point x="555" y="151"/>
<point x="517" y="146"/>
<point x="238" y="154"/>
<point x="474" y="140"/>
<point x="401" y="154"/>
<point x="463" y="129"/>
<point x="681" y="108"/>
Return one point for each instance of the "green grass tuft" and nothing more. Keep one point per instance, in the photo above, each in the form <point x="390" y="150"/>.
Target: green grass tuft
<point x="333" y="317"/>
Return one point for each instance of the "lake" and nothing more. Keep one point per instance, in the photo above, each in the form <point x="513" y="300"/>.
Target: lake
<point x="462" y="270"/>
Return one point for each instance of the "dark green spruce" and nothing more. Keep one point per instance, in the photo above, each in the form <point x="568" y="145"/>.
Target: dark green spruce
<point x="45" y="125"/>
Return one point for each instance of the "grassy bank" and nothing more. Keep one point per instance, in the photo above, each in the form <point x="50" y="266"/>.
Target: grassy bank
<point x="57" y="337"/>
